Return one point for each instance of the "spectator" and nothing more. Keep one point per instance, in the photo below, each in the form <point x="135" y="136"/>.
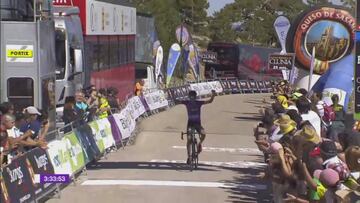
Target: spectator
<point x="139" y="86"/>
<point x="104" y="106"/>
<point x="39" y="129"/>
<point x="69" y="114"/>
<point x="7" y="108"/>
<point x="112" y="97"/>
<point x="304" y="107"/>
<point x="93" y="104"/>
<point x="80" y="106"/>
<point x="337" y="126"/>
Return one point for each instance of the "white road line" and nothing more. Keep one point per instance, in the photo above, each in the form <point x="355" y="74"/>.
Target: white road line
<point x="235" y="164"/>
<point x="173" y="183"/>
<point x="221" y="149"/>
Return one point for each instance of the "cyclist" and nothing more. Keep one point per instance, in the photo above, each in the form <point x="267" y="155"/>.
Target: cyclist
<point x="193" y="107"/>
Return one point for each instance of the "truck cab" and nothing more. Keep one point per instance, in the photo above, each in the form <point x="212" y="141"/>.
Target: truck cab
<point x="69" y="52"/>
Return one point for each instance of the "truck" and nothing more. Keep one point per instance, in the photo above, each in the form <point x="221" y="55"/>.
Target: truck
<point x="240" y="61"/>
<point x="95" y="46"/>
<point x="28" y="62"/>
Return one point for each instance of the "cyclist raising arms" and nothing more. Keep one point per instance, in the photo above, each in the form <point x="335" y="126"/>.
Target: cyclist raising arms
<point x="193" y="107"/>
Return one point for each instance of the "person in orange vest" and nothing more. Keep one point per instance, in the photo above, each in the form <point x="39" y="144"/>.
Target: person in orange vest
<point x="139" y="86"/>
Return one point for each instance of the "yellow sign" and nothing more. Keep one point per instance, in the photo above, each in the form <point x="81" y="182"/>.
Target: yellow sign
<point x="19" y="53"/>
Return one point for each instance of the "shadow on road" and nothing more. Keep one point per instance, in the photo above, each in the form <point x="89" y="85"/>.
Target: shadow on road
<point x="146" y="166"/>
<point x="248" y="176"/>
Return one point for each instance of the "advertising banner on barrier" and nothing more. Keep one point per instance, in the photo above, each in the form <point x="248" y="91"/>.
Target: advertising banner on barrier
<point x="76" y="154"/>
<point x="244" y="85"/>
<point x="268" y="85"/>
<point x="115" y="130"/>
<point x="261" y="86"/>
<point x="124" y="123"/>
<point x="18" y="183"/>
<point x="253" y="86"/>
<point x="98" y="136"/>
<point x="185" y="91"/>
<point x="59" y="157"/>
<point x="106" y="133"/>
<point x="137" y="107"/>
<point x="156" y="100"/>
<point x="88" y="143"/>
<point x="234" y="86"/>
<point x="38" y="162"/>
<point x="225" y="85"/>
<point x="215" y="85"/>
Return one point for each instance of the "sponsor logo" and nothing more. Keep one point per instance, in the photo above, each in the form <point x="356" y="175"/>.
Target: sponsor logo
<point x="41" y="161"/>
<point x="16" y="175"/>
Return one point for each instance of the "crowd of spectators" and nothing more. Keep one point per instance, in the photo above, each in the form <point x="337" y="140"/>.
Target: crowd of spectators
<point x="21" y="131"/>
<point x="26" y="129"/>
<point x="311" y="155"/>
<point x="89" y="104"/>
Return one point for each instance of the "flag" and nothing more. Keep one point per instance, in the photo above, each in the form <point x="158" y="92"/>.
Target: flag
<point x="158" y="62"/>
<point x="174" y="55"/>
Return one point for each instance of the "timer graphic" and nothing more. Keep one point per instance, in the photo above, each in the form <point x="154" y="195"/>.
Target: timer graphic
<point x="54" y="178"/>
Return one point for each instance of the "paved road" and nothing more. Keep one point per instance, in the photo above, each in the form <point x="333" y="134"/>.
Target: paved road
<point x="153" y="169"/>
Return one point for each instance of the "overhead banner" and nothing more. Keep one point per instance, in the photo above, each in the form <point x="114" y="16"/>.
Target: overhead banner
<point x="330" y="30"/>
<point x="282" y="26"/>
<point x="174" y="55"/>
<point x="281" y="61"/>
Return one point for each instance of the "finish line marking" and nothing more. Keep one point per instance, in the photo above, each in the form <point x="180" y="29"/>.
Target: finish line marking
<point x="235" y="164"/>
<point x="173" y="184"/>
<point x="220" y="149"/>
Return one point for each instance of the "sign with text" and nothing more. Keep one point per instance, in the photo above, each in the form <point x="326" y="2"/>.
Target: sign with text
<point x="208" y="57"/>
<point x="281" y="61"/>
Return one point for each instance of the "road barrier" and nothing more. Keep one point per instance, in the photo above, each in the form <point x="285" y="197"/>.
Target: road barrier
<point x="72" y="152"/>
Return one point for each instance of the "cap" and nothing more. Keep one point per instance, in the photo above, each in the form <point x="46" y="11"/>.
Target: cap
<point x="328" y="148"/>
<point x="32" y="110"/>
<point x="329" y="177"/>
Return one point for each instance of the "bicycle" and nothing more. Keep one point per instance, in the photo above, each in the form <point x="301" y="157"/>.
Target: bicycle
<point x="194" y="159"/>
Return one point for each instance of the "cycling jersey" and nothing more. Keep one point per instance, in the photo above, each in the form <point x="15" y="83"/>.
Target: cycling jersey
<point x="193" y="110"/>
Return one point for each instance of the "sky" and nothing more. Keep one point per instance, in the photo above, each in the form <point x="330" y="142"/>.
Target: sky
<point x="216" y="5"/>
